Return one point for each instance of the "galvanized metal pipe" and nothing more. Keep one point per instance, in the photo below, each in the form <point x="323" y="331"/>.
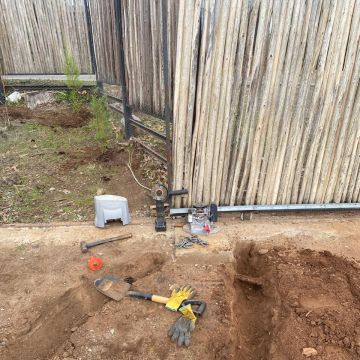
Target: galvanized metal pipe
<point x="290" y="207"/>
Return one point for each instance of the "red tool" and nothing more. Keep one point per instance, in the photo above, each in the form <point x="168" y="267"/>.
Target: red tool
<point x="94" y="263"/>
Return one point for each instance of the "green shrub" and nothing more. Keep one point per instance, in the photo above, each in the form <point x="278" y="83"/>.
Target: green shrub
<point x="100" y="121"/>
<point x="72" y="73"/>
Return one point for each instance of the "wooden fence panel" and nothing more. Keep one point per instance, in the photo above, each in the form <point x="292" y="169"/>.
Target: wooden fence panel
<point x="35" y="33"/>
<point x="142" y="38"/>
<point x="105" y="40"/>
<point x="143" y="52"/>
<point x="267" y="102"/>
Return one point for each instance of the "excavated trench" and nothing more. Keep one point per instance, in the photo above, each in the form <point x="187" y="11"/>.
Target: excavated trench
<point x="56" y="322"/>
<point x="288" y="300"/>
<point x="275" y="303"/>
<point x="62" y="316"/>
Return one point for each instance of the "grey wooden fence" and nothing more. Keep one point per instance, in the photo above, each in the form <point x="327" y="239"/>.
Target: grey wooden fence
<point x="267" y="101"/>
<point x="142" y="38"/>
<point x="35" y="33"/>
<point x="266" y="94"/>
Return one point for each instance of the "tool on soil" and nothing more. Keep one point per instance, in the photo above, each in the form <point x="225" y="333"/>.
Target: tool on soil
<point x="117" y="288"/>
<point x="84" y="247"/>
<point x="160" y="194"/>
<point x="95" y="263"/>
<point x="189" y="241"/>
<point x="201" y="220"/>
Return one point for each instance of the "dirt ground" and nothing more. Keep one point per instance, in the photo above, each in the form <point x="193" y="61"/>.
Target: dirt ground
<point x="308" y="265"/>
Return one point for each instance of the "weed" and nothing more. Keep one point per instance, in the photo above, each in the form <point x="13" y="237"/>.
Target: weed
<point x="100" y="122"/>
<point x="46" y="138"/>
<point x="84" y="201"/>
<point x="46" y="180"/>
<point x="32" y="195"/>
<point x="13" y="104"/>
<point x="89" y="169"/>
<point x="33" y="126"/>
<point x="74" y="84"/>
<point x="76" y="99"/>
<point x="72" y="72"/>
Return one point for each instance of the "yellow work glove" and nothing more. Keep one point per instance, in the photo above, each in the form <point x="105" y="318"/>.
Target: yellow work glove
<point x="186" y="310"/>
<point x="178" y="295"/>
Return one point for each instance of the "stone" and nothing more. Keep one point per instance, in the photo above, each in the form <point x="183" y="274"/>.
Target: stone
<point x="346" y="341"/>
<point x="309" y="352"/>
<point x="263" y="251"/>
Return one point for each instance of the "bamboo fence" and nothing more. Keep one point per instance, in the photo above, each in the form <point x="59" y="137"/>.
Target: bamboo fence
<point x="265" y="94"/>
<point x="143" y="52"/>
<point x="142" y="38"/>
<point x="105" y="41"/>
<point x="35" y="33"/>
<point x="267" y="102"/>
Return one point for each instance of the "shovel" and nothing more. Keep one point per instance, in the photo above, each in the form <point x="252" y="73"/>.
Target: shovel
<point x="116" y="288"/>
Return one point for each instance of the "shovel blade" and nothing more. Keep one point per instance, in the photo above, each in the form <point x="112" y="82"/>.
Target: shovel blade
<point x="113" y="287"/>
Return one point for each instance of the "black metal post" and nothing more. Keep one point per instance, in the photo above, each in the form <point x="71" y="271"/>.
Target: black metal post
<point x="2" y="92"/>
<point x="125" y="101"/>
<point x="2" y="89"/>
<point x="168" y="115"/>
<point x="90" y="37"/>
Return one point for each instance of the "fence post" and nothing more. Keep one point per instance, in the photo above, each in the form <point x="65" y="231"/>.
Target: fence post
<point x="125" y="102"/>
<point x="90" y="37"/>
<point x="2" y="91"/>
<point x="168" y="115"/>
<point x="2" y="72"/>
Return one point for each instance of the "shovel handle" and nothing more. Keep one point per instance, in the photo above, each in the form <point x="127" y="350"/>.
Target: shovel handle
<point x="198" y="311"/>
<point x="146" y="296"/>
<point x="201" y="306"/>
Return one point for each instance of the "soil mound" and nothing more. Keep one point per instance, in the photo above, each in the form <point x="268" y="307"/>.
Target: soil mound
<point x="54" y="115"/>
<point x="308" y="299"/>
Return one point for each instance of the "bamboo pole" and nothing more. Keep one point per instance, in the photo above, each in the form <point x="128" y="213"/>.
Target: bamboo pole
<point x="347" y="132"/>
<point x="272" y="63"/>
<point x="198" y="123"/>
<point x="229" y="72"/>
<point x="299" y="46"/>
<point x="191" y="102"/>
<point x="232" y="139"/>
<point x="202" y="106"/>
<point x="333" y="109"/>
<point x="237" y="163"/>
<point x="301" y="106"/>
<point x="328" y="21"/>
<point x="252" y="114"/>
<point x="323" y="95"/>
<point x="178" y="96"/>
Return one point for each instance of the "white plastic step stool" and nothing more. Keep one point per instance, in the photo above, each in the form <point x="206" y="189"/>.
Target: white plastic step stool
<point x="111" y="207"/>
